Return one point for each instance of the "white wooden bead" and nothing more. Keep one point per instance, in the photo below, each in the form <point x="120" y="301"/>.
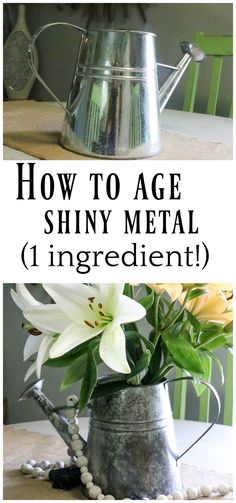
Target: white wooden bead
<point x="72" y="400"/>
<point x="206" y="489"/>
<point x="199" y="492"/>
<point x="72" y="420"/>
<point x="86" y="477"/>
<point x="231" y="489"/>
<point x="36" y="472"/>
<point x="185" y="495"/>
<point x="101" y="497"/>
<point x="75" y="436"/>
<point x="44" y="464"/>
<point x="59" y="465"/>
<point x="109" y="497"/>
<point x="70" y="413"/>
<point x="77" y="445"/>
<point x="94" y="492"/>
<point x="223" y="489"/>
<point x="73" y="428"/>
<point x="31" y="462"/>
<point x="177" y="495"/>
<point x="161" y="497"/>
<point x="192" y="492"/>
<point x="46" y="474"/>
<point x="89" y="485"/>
<point x="26" y="468"/>
<point x="84" y="469"/>
<point x="82" y="461"/>
<point x="79" y="454"/>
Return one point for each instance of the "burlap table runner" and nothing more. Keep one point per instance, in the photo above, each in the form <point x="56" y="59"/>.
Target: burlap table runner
<point x="20" y="445"/>
<point x="34" y="128"/>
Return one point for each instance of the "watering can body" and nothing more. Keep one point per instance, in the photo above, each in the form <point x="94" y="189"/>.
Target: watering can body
<point x="113" y="102"/>
<point x="131" y="446"/>
<point x="113" y="108"/>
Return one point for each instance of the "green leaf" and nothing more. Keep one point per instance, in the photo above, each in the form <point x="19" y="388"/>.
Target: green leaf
<point x="132" y="335"/>
<point x="127" y="290"/>
<point x="194" y="322"/>
<point x="141" y="366"/>
<point x="90" y="378"/>
<point x="183" y="353"/>
<point x="197" y="292"/>
<point x="77" y="368"/>
<point x="148" y="300"/>
<point x="206" y="375"/>
<point x="212" y="341"/>
<point x="228" y="329"/>
<point x="108" y="388"/>
<point x="156" y="358"/>
<point x="75" y="372"/>
<point x="219" y="366"/>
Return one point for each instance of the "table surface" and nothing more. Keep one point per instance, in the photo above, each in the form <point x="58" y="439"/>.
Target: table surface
<point x="213" y="452"/>
<point x="204" y="127"/>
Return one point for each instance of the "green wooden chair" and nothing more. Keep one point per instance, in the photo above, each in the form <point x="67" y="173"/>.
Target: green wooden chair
<point x="217" y="47"/>
<point x="180" y="392"/>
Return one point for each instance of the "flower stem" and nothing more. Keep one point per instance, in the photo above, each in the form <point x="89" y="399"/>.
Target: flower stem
<point x="156" y="324"/>
<point x="179" y="312"/>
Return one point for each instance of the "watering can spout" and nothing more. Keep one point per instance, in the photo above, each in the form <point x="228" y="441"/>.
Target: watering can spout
<point x="191" y="53"/>
<point x="59" y="422"/>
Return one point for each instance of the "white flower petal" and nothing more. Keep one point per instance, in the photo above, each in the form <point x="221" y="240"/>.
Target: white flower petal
<point x="73" y="299"/>
<point x="22" y="297"/>
<point x="43" y="353"/>
<point x="30" y="371"/>
<point x="47" y="318"/>
<point x="127" y="310"/>
<point x="72" y="336"/>
<point x="112" y="349"/>
<point x="32" y="345"/>
<point x="109" y="290"/>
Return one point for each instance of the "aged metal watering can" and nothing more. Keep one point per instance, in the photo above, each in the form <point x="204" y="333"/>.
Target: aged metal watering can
<point x="131" y="443"/>
<point x="113" y="109"/>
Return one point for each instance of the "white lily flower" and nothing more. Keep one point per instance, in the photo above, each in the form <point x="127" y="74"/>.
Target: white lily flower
<point x="92" y="310"/>
<point x="42" y="340"/>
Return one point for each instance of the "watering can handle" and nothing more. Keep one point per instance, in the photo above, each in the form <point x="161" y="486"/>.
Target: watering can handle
<point x="217" y="399"/>
<point x="31" y="56"/>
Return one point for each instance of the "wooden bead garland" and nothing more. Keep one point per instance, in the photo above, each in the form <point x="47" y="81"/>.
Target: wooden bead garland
<point x="42" y="469"/>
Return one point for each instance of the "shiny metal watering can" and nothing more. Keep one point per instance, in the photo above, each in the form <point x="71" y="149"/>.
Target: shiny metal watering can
<point x="131" y="442"/>
<point x="113" y="109"/>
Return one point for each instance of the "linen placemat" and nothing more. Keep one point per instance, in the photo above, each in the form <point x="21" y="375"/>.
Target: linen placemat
<point x="34" y="128"/>
<point x="21" y="445"/>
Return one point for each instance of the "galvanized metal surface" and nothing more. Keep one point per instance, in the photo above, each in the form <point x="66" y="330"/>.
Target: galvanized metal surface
<point x="59" y="422"/>
<point x="131" y="444"/>
<point x="113" y="109"/>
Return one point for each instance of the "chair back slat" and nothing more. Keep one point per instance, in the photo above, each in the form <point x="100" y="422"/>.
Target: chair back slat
<point x="217" y="47"/>
<point x="228" y="401"/>
<point x="204" y="404"/>
<point x="214" y="85"/>
<point x="179" y="401"/>
<point x="191" y="88"/>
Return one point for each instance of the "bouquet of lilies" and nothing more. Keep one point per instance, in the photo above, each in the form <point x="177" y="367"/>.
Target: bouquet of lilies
<point x="86" y="325"/>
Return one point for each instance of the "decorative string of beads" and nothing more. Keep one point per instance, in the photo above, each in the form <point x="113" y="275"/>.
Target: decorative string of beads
<point x="193" y="493"/>
<point x="42" y="469"/>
